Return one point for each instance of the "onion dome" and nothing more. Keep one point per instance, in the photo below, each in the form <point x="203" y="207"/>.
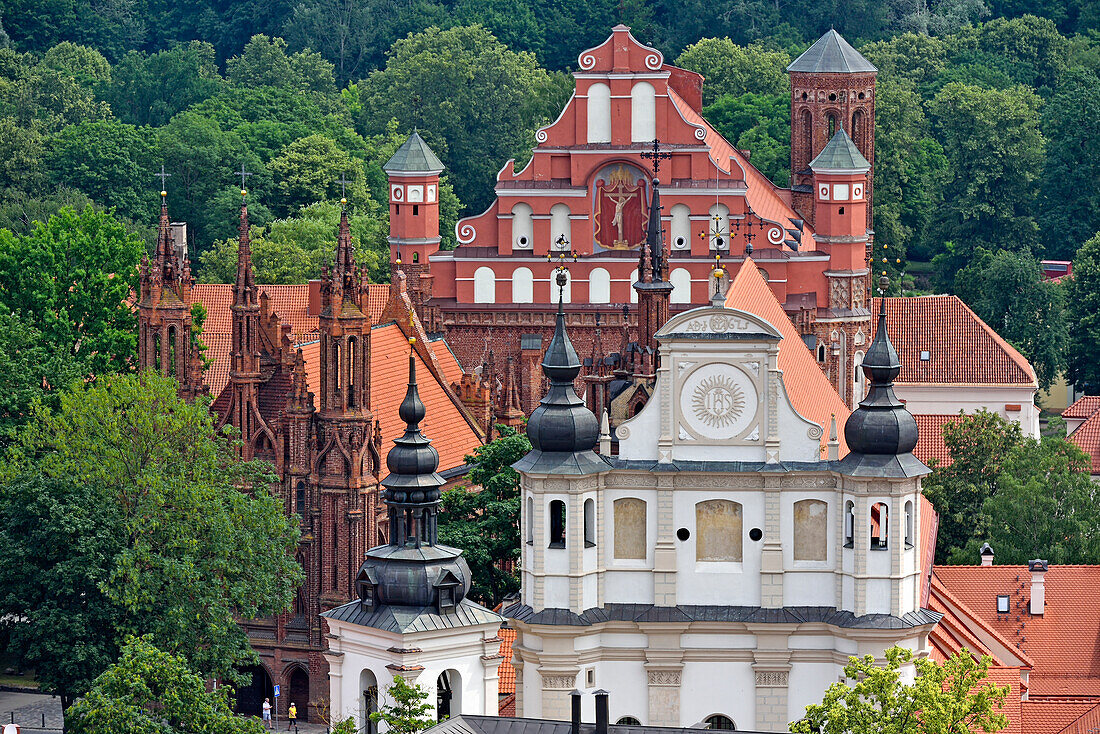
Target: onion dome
<point x="881" y="425"/>
<point x="563" y="431"/>
<point x="413" y="570"/>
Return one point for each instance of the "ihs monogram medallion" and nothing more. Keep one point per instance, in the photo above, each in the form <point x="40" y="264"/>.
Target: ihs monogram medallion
<point x="718" y="401"/>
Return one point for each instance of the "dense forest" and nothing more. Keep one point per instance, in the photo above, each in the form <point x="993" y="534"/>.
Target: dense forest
<point x="987" y="126"/>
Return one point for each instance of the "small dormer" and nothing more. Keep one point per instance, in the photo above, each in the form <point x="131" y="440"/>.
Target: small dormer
<point x="366" y="585"/>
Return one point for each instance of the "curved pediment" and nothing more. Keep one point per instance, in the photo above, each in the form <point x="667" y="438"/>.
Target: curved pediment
<point x="717" y="322"/>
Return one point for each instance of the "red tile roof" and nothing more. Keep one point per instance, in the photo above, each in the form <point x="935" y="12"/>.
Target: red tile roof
<point x="506" y="673"/>
<point x="810" y="391"/>
<point x="962" y="348"/>
<point x="507" y="705"/>
<point x="444" y="422"/>
<point x="1087" y="437"/>
<point x="930" y="443"/>
<point x="1052" y="716"/>
<point x="1063" y="643"/>
<point x="929" y="525"/>
<point x="1087" y="723"/>
<point x="1083" y="408"/>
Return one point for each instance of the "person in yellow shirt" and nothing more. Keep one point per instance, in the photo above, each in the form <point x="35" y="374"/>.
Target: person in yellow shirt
<point x="291" y="716"/>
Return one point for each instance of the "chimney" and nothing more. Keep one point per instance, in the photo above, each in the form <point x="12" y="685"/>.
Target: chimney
<point x="987" y="554"/>
<point x="1038" y="570"/>
<point x="575" y="701"/>
<point x="313" y="307"/>
<point x="601" y="711"/>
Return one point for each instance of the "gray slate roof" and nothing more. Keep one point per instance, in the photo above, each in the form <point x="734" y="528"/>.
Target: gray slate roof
<point x="840" y="154"/>
<point x="470" y="724"/>
<point x="414" y="157"/>
<point x="831" y="54"/>
<point x="716" y="613"/>
<point x="413" y="619"/>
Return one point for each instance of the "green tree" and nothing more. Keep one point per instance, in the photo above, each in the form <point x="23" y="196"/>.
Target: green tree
<point x="58" y="543"/>
<point x="407" y="711"/>
<point x="952" y="697"/>
<point x="1006" y="290"/>
<point x="264" y="62"/>
<point x="31" y="371"/>
<point x="732" y="69"/>
<point x="916" y="57"/>
<point x="204" y="540"/>
<point x="150" y="89"/>
<point x="992" y="141"/>
<point x="109" y="161"/>
<point x="1083" y="312"/>
<point x="85" y="65"/>
<point x="21" y="149"/>
<point x="475" y="101"/>
<point x="1045" y="506"/>
<point x="308" y="171"/>
<point x="482" y="519"/>
<point x="1035" y="52"/>
<point x="759" y="123"/>
<point x="70" y="278"/>
<point x="979" y="444"/>
<point x="149" y="691"/>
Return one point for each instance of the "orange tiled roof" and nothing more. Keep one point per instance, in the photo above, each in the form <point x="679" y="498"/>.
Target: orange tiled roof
<point x="1063" y="642"/>
<point x="1007" y="675"/>
<point x="1052" y="716"/>
<point x="929" y="524"/>
<point x="289" y="302"/>
<point x="962" y="349"/>
<point x="1087" y="723"/>
<point x="1087" y="437"/>
<point x="810" y="391"/>
<point x="1083" y="408"/>
<point x="930" y="443"/>
<point x="506" y="673"/>
<point x="443" y="423"/>
<point x="507" y="705"/>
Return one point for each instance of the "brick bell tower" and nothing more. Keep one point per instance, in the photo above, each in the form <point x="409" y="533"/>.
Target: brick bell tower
<point x="832" y="87"/>
<point x="346" y="465"/>
<point x="414" y="219"/>
<point x="840" y="179"/>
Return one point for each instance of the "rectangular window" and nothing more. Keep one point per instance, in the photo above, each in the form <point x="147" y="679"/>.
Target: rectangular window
<point x="1002" y="604"/>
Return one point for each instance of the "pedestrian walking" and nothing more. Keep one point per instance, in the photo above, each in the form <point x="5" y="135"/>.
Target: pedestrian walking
<point x="267" y="713"/>
<point x="291" y="716"/>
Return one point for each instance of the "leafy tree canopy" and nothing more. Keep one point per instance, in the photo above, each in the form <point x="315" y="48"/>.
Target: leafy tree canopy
<point x="1083" y="311"/>
<point x="735" y="70"/>
<point x="405" y="708"/>
<point x="150" y="89"/>
<point x="266" y="63"/>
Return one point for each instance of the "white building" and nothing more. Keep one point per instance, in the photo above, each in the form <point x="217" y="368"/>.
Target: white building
<point x="412" y="618"/>
<point x="727" y="562"/>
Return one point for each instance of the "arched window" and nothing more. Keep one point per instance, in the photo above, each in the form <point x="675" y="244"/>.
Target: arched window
<point x="599" y="286"/>
<point x="858" y="133"/>
<point x="300" y="498"/>
<point x="720" y="721"/>
<point x="880" y="526"/>
<point x="859" y="383"/>
<point x="909" y="520"/>
<point x="630" y="528"/>
<point x="171" y="351"/>
<point x="599" y="113"/>
<point x="352" y="365"/>
<point x="681" y="286"/>
<point x="643" y="113"/>
<point x="336" y="373"/>
<point x="530" y="520"/>
<point x="368" y="701"/>
<point x="523" y="227"/>
<point x="628" y="721"/>
<point x="589" y="523"/>
<point x="681" y="227"/>
<point x="156" y="351"/>
<point x="821" y="352"/>
<point x="523" y="286"/>
<point x="485" y="286"/>
<point x="807" y="138"/>
<point x="811" y="530"/>
<point x="849" y="524"/>
<point x="832" y="126"/>
<point x="718" y="231"/>
<point x="718" y="531"/>
<point x="557" y="524"/>
<point x="448" y="695"/>
<point x="560" y="234"/>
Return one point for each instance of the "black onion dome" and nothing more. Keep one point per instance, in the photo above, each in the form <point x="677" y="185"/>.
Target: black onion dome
<point x="881" y="424"/>
<point x="413" y="460"/>
<point x="562" y="423"/>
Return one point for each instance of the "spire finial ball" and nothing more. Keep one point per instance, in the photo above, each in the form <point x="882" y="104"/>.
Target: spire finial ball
<point x="344" y="201"/>
<point x="244" y="192"/>
<point x="163" y="193"/>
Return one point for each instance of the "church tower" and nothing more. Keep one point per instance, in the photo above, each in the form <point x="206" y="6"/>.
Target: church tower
<point x="164" y="314"/>
<point x="654" y="290"/>
<point x="414" y="217"/>
<point x="347" y="460"/>
<point x="832" y="87"/>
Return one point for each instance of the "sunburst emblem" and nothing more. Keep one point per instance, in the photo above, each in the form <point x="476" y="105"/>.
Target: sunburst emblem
<point x="718" y="401"/>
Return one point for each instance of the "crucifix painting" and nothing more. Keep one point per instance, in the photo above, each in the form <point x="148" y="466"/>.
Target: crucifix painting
<point x="620" y="208"/>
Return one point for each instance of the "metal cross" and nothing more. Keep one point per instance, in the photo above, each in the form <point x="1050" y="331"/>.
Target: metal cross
<point x="162" y="176"/>
<point x="243" y="174"/>
<point x="656" y="155"/>
<point x="561" y="242"/>
<point x="343" y="181"/>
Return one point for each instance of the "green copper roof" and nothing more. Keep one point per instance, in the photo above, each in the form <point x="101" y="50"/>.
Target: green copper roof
<point x="831" y="54"/>
<point x="414" y="157"/>
<point x="840" y="154"/>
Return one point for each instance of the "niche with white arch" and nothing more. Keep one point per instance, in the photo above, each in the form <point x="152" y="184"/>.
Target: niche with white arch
<point x="523" y="286"/>
<point x="599" y="113"/>
<point x="523" y="227"/>
<point x="720" y="225"/>
<point x="485" y="285"/>
<point x="681" y="227"/>
<point x="643" y="113"/>
<point x="681" y="286"/>
<point x="559" y="227"/>
<point x="599" y="286"/>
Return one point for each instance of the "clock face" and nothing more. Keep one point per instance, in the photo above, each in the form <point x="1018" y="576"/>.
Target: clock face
<point x="397" y="193"/>
<point x="823" y="192"/>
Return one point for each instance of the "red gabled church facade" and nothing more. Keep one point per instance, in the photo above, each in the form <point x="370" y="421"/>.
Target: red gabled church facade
<point x="586" y="193"/>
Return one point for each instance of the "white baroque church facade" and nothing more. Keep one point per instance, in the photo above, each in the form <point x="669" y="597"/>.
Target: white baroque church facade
<point x="726" y="563"/>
